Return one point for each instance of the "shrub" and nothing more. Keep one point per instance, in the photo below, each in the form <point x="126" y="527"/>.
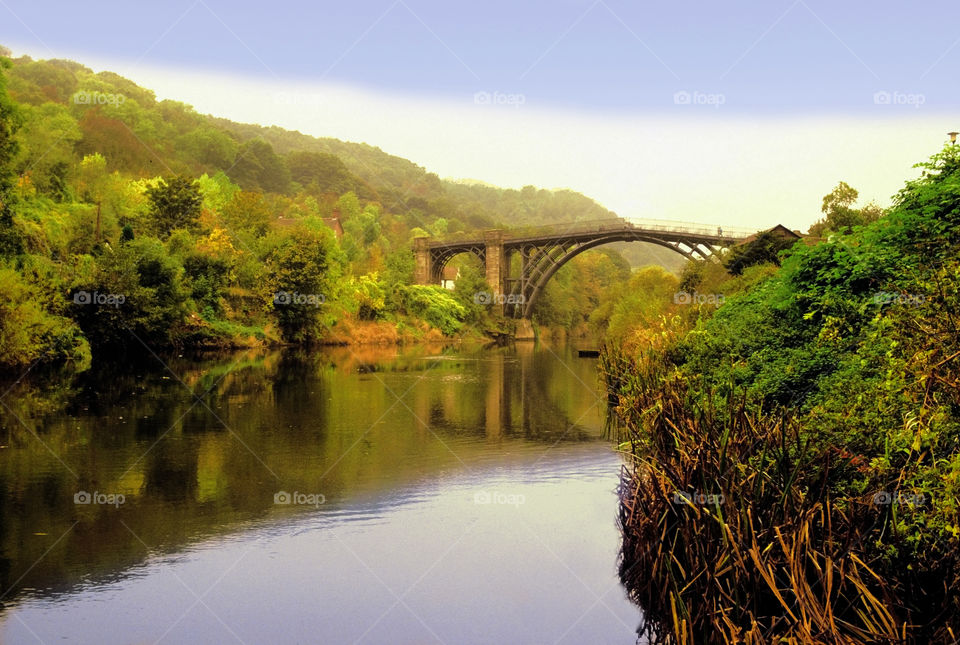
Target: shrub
<point x="823" y="404"/>
<point x="30" y="333"/>
<point x="435" y="305"/>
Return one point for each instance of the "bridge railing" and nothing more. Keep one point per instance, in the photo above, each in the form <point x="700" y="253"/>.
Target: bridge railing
<point x="569" y="228"/>
<point x="608" y="224"/>
<point x="697" y="228"/>
<point x="519" y="232"/>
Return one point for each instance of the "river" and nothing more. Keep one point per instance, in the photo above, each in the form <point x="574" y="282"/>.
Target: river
<point x="349" y="495"/>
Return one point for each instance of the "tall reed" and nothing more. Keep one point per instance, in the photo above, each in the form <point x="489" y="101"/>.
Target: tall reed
<point x="731" y="533"/>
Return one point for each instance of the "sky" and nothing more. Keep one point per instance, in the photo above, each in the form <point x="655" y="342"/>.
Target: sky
<point x="738" y="113"/>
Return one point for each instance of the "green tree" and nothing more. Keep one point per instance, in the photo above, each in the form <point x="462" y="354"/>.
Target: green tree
<point x="469" y="283"/>
<point x="840" y="216"/>
<point x="398" y="272"/>
<point x="93" y="182"/>
<point x="348" y="206"/>
<point x="636" y="303"/>
<point x="323" y="171"/>
<point x="175" y="203"/>
<point x="10" y="120"/>
<point x="207" y="279"/>
<point x="47" y="140"/>
<point x="301" y="271"/>
<point x="764" y="248"/>
<point x="209" y="146"/>
<point x="248" y="212"/>
<point x="30" y="333"/>
<point x="435" y="305"/>
<point x="217" y="190"/>
<point x="369" y="297"/>
<point x="363" y="227"/>
<point x="135" y="296"/>
<point x="258" y="167"/>
<point x="440" y="226"/>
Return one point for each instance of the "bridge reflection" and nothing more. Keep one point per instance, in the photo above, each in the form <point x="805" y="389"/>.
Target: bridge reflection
<point x="349" y="423"/>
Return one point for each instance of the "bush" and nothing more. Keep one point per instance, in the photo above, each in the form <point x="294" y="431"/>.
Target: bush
<point x="143" y="298"/>
<point x="208" y="278"/>
<point x="435" y="305"/>
<point x="823" y="404"/>
<point x="30" y="333"/>
<point x="302" y="269"/>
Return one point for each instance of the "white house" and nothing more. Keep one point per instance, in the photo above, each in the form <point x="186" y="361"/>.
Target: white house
<point x="449" y="277"/>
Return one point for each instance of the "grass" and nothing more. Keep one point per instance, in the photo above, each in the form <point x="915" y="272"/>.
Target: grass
<point x="732" y="533"/>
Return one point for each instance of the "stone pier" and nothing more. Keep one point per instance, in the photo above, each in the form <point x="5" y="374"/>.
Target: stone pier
<point x="423" y="269"/>
<point x="496" y="263"/>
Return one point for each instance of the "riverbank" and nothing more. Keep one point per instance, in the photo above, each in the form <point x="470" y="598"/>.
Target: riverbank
<point x="795" y="452"/>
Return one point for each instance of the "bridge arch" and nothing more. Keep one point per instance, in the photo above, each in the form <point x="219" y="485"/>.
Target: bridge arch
<point x="441" y="260"/>
<point x="543" y="251"/>
<point x="527" y="290"/>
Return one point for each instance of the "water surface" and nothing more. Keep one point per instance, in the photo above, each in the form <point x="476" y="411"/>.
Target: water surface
<point x="438" y="495"/>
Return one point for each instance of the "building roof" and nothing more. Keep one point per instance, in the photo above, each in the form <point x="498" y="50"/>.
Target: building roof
<point x="779" y="230"/>
<point x="450" y="273"/>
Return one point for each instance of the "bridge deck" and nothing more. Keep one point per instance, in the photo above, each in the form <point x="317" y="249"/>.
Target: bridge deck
<point x="679" y="231"/>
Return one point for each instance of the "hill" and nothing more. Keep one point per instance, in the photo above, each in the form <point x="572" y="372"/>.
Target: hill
<point x="198" y="222"/>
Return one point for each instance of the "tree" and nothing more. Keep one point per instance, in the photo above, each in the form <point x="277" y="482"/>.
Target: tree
<point x="208" y="278"/>
<point x="30" y="332"/>
<point x="10" y="120"/>
<point x="92" y="184"/>
<point x="145" y="297"/>
<point x="843" y="196"/>
<point x="47" y="139"/>
<point x="841" y="217"/>
<point x="369" y="297"/>
<point x="398" y="271"/>
<point x="470" y="282"/>
<point x="324" y="171"/>
<point x="174" y="203"/>
<point x="217" y="190"/>
<point x="364" y="227"/>
<point x="247" y="211"/>
<point x="762" y="249"/>
<point x="258" y="167"/>
<point x="637" y="303"/>
<point x="435" y="305"/>
<point x="300" y="279"/>
<point x="348" y="206"/>
<point x="209" y="146"/>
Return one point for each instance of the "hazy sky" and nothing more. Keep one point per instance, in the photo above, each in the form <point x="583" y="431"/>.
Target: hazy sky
<point x="731" y="113"/>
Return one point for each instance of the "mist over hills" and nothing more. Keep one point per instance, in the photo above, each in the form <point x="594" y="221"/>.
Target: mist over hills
<point x="84" y="112"/>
